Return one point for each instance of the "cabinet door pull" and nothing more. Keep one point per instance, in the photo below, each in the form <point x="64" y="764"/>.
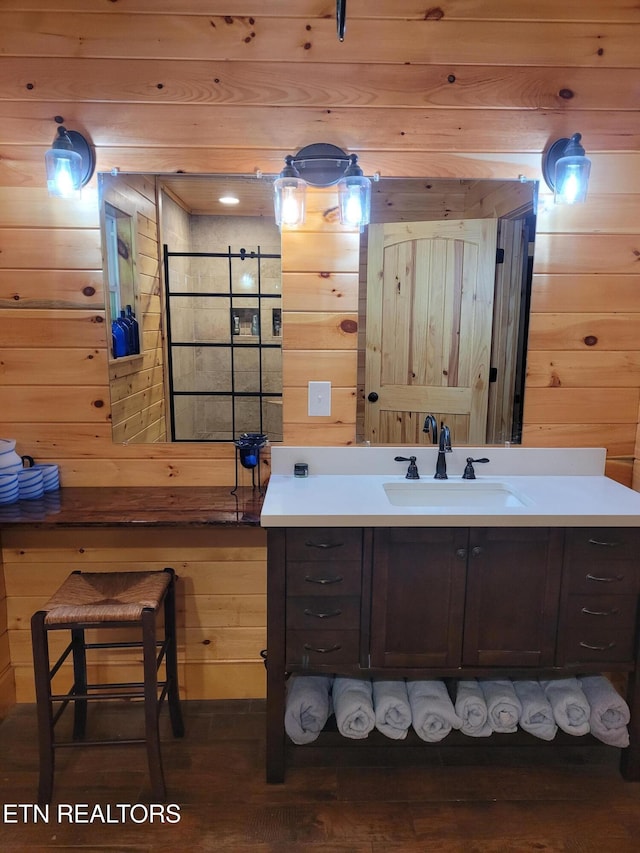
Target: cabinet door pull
<point x="603" y="543"/>
<point x="461" y="553"/>
<point x="336" y="579"/>
<point x="613" y="612"/>
<point x="597" y="648"/>
<point x="310" y="544"/>
<point x="612" y="579"/>
<point x="476" y="551"/>
<point x="309" y="648"/>
<point x="326" y="615"/>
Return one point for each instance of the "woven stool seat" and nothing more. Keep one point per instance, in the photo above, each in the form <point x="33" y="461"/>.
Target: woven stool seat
<point x="143" y="603"/>
<point x="106" y="597"/>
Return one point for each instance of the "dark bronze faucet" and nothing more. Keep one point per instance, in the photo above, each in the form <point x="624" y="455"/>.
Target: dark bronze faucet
<point x="431" y="427"/>
<point x="443" y="447"/>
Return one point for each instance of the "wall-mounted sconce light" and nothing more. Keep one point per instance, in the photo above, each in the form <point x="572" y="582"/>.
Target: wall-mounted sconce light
<point x="322" y="165"/>
<point x="566" y="168"/>
<point x="70" y="163"/>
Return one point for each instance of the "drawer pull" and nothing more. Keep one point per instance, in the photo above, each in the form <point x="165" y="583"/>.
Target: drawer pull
<point x="336" y="579"/>
<point x="597" y="648"/>
<point x="325" y="545"/>
<point x="603" y="544"/>
<point x="614" y="579"/>
<point x="335" y="648"/>
<point x="614" y="611"/>
<point x="327" y="615"/>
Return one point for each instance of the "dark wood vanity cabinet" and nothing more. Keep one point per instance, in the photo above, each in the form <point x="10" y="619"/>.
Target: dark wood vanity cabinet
<point x="453" y="597"/>
<point x="451" y="602"/>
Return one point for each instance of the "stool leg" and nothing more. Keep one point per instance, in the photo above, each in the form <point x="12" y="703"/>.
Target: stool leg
<point x="151" y="706"/>
<point x="80" y="682"/>
<point x="171" y="659"/>
<point x="40" y="645"/>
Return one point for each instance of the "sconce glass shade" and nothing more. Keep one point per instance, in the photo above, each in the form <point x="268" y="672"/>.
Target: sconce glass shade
<point x="566" y="170"/>
<point x="322" y="165"/>
<point x="70" y="163"/>
<point x="289" y="196"/>
<point x="355" y="196"/>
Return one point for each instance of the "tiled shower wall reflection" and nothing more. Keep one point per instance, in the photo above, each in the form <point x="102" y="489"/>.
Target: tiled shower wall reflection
<point x="197" y="320"/>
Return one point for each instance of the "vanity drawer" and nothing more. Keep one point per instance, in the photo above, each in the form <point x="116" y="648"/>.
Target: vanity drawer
<point x="330" y="577"/>
<point x="602" y="561"/>
<point x="324" y="543"/>
<point x="323" y="612"/>
<point x="322" y="648"/>
<point x="612" y="643"/>
<point x="597" y="612"/>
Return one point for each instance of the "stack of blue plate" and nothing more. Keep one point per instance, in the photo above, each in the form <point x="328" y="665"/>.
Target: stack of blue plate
<point x="30" y="484"/>
<point x="8" y="488"/>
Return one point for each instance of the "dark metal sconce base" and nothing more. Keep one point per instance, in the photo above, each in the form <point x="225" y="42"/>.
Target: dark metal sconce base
<point x="549" y="160"/>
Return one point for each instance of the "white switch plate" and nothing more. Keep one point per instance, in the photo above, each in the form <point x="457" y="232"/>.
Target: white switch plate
<point x="319" y="398"/>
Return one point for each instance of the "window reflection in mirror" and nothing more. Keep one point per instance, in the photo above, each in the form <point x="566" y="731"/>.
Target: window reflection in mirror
<point x="119" y="254"/>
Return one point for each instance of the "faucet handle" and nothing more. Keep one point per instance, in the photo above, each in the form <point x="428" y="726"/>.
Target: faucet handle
<point x="412" y="470"/>
<point x="469" y="473"/>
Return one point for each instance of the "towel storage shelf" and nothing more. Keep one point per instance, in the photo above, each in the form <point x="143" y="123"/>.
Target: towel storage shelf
<point x="451" y="603"/>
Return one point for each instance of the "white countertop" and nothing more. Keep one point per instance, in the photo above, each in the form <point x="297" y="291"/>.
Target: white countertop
<point x="561" y="487"/>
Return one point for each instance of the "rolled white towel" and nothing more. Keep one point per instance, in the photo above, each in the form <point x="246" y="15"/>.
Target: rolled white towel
<point x="432" y="712"/>
<point x="537" y="714"/>
<point x="392" y="709"/>
<point x="570" y="707"/>
<point x="308" y="706"/>
<point x="472" y="709"/>
<point x="610" y="713"/>
<point x="503" y="706"/>
<point x="353" y="706"/>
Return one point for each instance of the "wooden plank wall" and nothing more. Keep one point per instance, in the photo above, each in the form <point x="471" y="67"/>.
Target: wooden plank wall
<point x="320" y="261"/>
<point x="465" y="89"/>
<point x="221" y="600"/>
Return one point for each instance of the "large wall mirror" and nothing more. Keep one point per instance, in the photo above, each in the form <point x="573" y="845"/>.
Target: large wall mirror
<point x="205" y="254"/>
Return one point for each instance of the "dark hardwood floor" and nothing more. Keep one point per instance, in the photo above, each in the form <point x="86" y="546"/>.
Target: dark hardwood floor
<point x="339" y="796"/>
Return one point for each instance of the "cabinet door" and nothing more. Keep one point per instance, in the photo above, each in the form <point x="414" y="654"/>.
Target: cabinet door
<point x="417" y="597"/>
<point x="513" y="588"/>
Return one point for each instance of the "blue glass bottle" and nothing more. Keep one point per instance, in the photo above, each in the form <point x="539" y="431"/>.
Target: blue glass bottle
<point x="128" y="331"/>
<point x="118" y="340"/>
<point x="135" y="328"/>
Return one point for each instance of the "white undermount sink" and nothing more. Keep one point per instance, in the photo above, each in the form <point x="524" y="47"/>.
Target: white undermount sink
<point x="445" y="493"/>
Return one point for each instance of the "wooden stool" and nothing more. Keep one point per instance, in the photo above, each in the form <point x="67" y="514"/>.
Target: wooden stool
<point x="107" y="600"/>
